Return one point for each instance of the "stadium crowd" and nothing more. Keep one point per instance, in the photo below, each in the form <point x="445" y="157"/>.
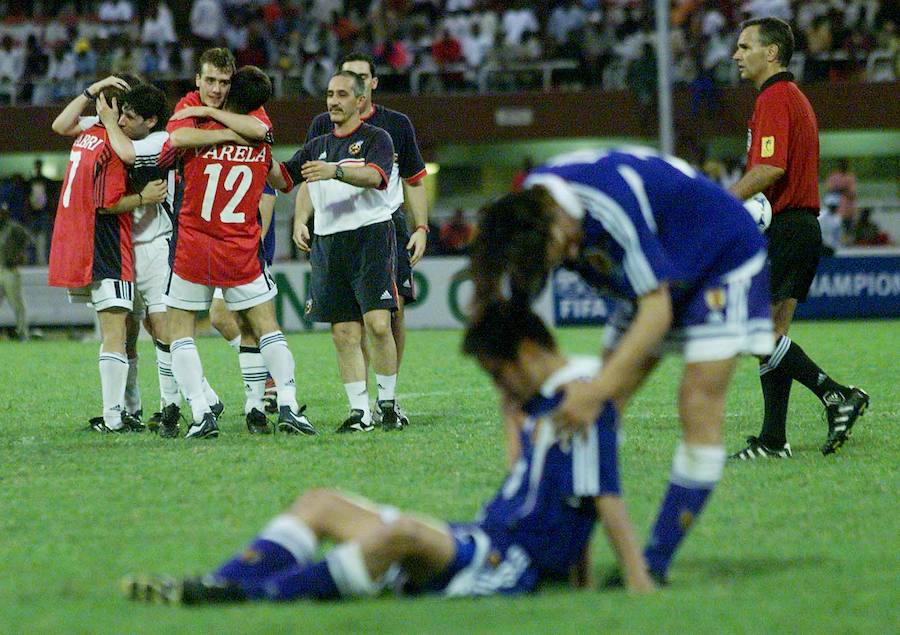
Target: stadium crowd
<point x="50" y="49"/>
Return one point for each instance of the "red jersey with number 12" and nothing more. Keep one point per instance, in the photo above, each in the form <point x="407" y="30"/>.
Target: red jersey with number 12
<point x="88" y="246"/>
<point x="217" y="241"/>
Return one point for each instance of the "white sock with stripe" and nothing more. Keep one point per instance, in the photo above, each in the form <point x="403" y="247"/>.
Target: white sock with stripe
<point x="280" y="363"/>
<point x="253" y="371"/>
<point x="188" y="373"/>
<point x="113" y="375"/>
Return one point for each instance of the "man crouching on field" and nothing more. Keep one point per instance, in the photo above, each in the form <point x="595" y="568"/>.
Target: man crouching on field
<point x="536" y="529"/>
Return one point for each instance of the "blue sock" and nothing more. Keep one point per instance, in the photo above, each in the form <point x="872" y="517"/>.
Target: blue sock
<point x="313" y="581"/>
<point x="262" y="559"/>
<point x="676" y="514"/>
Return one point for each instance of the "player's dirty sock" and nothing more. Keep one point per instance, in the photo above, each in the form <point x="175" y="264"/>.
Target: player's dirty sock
<point x="695" y="471"/>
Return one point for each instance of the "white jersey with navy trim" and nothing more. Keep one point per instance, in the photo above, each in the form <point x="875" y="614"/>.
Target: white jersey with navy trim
<point x="153" y="220"/>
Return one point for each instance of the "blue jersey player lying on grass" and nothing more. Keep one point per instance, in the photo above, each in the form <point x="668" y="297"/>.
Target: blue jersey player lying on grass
<point x="536" y="529"/>
<point x="689" y="268"/>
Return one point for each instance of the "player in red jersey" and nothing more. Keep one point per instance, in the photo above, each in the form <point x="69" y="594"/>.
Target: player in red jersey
<point x="213" y="87"/>
<point x="91" y="252"/>
<point x="783" y="162"/>
<point x="217" y="244"/>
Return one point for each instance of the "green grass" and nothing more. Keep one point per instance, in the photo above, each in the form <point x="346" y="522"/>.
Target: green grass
<point x="806" y="545"/>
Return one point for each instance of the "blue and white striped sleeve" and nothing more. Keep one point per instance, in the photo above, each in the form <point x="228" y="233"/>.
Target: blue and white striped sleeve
<point x="595" y="464"/>
<point x="630" y="225"/>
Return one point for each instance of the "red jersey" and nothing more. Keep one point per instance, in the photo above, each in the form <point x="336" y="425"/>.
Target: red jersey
<point x="218" y="234"/>
<point x="88" y="246"/>
<point x="193" y="99"/>
<point x="783" y="133"/>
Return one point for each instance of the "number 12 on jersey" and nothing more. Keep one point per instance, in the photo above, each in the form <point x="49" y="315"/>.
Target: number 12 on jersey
<point x="238" y="179"/>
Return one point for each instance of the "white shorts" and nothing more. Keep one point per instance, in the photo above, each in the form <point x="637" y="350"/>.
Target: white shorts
<point x="190" y="296"/>
<point x="151" y="266"/>
<point x="105" y="294"/>
<point x="726" y="316"/>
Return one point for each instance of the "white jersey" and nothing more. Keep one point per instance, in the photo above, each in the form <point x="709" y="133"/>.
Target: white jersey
<point x="153" y="220"/>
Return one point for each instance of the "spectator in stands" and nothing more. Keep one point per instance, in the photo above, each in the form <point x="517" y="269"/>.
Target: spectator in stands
<point x="14" y="240"/>
<point x="115" y="12"/>
<point x="61" y="74"/>
<point x="833" y="235"/>
<point x="37" y="63"/>
<point x="866" y="233"/>
<point x="517" y="20"/>
<point x="842" y="182"/>
<point x="85" y="60"/>
<point x="641" y="78"/>
<point x="475" y="44"/>
<point x="207" y="23"/>
<point x="40" y="190"/>
<point x="566" y="18"/>
<point x="159" y="26"/>
<point x="12" y="60"/>
<point x="456" y="234"/>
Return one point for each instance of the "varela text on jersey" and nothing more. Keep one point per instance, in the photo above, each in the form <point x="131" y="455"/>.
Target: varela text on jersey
<point x="228" y="152"/>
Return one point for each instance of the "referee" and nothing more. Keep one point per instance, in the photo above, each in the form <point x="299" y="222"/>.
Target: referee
<point x="783" y="163"/>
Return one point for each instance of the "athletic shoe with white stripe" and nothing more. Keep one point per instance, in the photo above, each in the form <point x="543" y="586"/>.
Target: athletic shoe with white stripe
<point x="756" y="450"/>
<point x="842" y="412"/>
<point x="207" y="428"/>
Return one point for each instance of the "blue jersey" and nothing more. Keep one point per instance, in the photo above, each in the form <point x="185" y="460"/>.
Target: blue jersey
<point x="546" y="504"/>
<point x="649" y="218"/>
<point x="268" y="243"/>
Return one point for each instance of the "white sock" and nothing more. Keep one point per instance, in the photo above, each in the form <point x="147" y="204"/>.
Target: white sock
<point x="113" y="375"/>
<point x="211" y="396"/>
<point x="695" y="465"/>
<point x="358" y="396"/>
<point x="189" y="374"/>
<point x="132" y="389"/>
<point x="253" y="371"/>
<point x="280" y="363"/>
<point x="235" y="343"/>
<point x="348" y="570"/>
<point x="387" y="385"/>
<point x="294" y="535"/>
<point x="168" y="388"/>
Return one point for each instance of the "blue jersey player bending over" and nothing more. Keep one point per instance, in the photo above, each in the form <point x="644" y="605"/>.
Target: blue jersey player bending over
<point x="537" y="528"/>
<point x="690" y="268"/>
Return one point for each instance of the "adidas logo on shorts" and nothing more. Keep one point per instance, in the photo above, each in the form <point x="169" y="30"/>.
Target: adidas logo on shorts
<point x="387" y="296"/>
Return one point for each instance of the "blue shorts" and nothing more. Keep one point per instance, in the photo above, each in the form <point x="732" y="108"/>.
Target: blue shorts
<point x="727" y="315"/>
<point x="481" y="567"/>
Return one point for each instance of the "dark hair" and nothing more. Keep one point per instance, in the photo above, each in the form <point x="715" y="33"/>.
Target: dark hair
<point x="111" y="92"/>
<point x="777" y="32"/>
<point x="250" y="89"/>
<point x="359" y="86"/>
<point x="220" y="58"/>
<point x="148" y="101"/>
<point x="510" y="244"/>
<point x="497" y="331"/>
<point x="360" y="57"/>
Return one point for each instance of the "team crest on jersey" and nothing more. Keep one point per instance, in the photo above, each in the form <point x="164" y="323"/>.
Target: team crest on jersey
<point x="715" y="298"/>
<point x="767" y="147"/>
<point x="355" y="148"/>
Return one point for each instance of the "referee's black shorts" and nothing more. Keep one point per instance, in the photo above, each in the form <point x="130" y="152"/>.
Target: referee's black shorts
<point x="795" y="245"/>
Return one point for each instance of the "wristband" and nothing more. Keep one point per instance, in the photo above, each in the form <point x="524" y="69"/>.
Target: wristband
<point x="425" y="227"/>
<point x="88" y="95"/>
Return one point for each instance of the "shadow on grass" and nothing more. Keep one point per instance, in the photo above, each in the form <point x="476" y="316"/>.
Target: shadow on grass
<point x="730" y="568"/>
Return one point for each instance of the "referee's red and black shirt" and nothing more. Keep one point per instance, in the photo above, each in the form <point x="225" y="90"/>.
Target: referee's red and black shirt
<point x="783" y="132"/>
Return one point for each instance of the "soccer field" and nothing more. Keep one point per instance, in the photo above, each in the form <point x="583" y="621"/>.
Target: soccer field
<point x="810" y="544"/>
